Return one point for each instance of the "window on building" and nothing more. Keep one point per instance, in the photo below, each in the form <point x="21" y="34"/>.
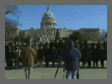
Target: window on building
<point x="53" y="24"/>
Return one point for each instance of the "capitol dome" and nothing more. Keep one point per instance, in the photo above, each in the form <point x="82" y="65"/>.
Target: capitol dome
<point x="48" y="20"/>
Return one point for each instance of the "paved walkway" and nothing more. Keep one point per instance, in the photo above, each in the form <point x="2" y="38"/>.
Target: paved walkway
<point x="48" y="73"/>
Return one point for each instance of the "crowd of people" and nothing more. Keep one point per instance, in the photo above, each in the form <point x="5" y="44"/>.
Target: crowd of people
<point x="29" y="55"/>
<point x="48" y="52"/>
<point x="93" y="52"/>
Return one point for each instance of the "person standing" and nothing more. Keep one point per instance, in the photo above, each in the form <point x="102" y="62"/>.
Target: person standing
<point x="9" y="53"/>
<point x="20" y="59"/>
<point x="85" y="52"/>
<point x="28" y="55"/>
<point x="6" y="54"/>
<point x="102" y="57"/>
<point x="105" y="47"/>
<point x="88" y="55"/>
<point x="17" y="57"/>
<point x="95" y="56"/>
<point x="83" y="56"/>
<point x="53" y="55"/>
<point x="47" y="54"/>
<point x="99" y="51"/>
<point x="40" y="56"/>
<point x="72" y="56"/>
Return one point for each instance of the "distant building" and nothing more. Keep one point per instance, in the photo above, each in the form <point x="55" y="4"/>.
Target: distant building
<point x="14" y="32"/>
<point x="87" y="31"/>
<point x="48" y="28"/>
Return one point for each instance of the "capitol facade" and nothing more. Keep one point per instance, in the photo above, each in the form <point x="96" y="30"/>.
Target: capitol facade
<point x="48" y="29"/>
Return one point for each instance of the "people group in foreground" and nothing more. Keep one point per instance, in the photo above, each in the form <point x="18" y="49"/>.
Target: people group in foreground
<point x="56" y="51"/>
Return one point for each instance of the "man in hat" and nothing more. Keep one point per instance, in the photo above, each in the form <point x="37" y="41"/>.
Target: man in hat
<point x="28" y="55"/>
<point x="72" y="56"/>
<point x="17" y="56"/>
<point x="95" y="56"/>
<point x="47" y="54"/>
<point x="88" y="56"/>
<point x="9" y="54"/>
<point x="103" y="55"/>
<point x="83" y="56"/>
<point x="40" y="55"/>
<point x="105" y="47"/>
<point x="53" y="55"/>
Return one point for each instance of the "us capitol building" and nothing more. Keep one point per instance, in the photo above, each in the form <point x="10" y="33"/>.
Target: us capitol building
<point x="48" y="29"/>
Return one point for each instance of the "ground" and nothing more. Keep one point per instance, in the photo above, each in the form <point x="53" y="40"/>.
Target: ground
<point x="48" y="73"/>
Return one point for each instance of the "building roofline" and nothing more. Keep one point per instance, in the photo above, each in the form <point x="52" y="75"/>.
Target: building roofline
<point x="88" y="28"/>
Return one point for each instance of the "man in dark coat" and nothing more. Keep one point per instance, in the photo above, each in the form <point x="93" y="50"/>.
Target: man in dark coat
<point x="105" y="47"/>
<point x="53" y="55"/>
<point x="47" y="54"/>
<point x="17" y="52"/>
<point x="72" y="56"/>
<point x="40" y="55"/>
<point x="95" y="56"/>
<point x="9" y="54"/>
<point x="57" y="45"/>
<point x="102" y="56"/>
<point x="85" y="51"/>
<point x="99" y="50"/>
<point x="88" y="55"/>
<point x="105" y="53"/>
<point x="83" y="56"/>
<point x="6" y="54"/>
<point x="63" y="45"/>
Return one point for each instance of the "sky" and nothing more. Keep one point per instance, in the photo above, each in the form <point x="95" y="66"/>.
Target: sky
<point x="72" y="17"/>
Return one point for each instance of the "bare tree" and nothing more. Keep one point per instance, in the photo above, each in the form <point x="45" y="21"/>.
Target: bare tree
<point x="10" y="29"/>
<point x="11" y="23"/>
<point x="8" y="36"/>
<point x="86" y="37"/>
<point x="16" y="39"/>
<point x="12" y="9"/>
<point x="95" y="36"/>
<point x="77" y="36"/>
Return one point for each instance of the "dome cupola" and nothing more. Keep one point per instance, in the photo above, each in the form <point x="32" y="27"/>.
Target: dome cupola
<point x="48" y="20"/>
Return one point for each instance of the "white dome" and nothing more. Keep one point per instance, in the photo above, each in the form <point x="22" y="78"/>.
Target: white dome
<point x="47" y="16"/>
<point x="48" y="19"/>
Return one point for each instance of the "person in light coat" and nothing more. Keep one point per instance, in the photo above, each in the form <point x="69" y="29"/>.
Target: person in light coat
<point x="28" y="55"/>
